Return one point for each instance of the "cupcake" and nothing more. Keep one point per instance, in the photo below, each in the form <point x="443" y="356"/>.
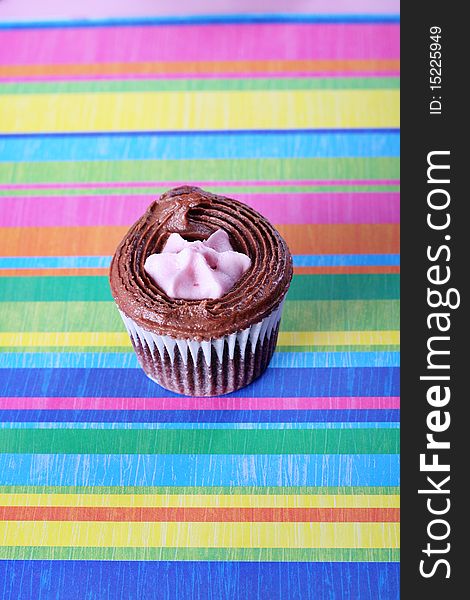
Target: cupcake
<point x="200" y="282"/>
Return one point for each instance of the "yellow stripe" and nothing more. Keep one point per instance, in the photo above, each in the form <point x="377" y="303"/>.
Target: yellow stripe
<point x="202" y="500"/>
<point x="275" y="109"/>
<point x="200" y="535"/>
<point x="286" y="338"/>
<point x="80" y="338"/>
<point x="338" y="338"/>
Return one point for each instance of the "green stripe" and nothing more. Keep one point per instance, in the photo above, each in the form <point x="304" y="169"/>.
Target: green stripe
<point x="337" y="315"/>
<point x="226" y="190"/>
<point x="261" y="169"/>
<point x="341" y="315"/>
<point x="164" y="85"/>
<point x="196" y="490"/>
<point x="202" y="554"/>
<point x="199" y="441"/>
<point x="96" y="288"/>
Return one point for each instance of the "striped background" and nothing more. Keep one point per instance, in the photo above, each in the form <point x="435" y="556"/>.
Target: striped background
<point x="111" y="487"/>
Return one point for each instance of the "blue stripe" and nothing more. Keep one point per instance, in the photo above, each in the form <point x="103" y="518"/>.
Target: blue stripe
<point x="198" y="146"/>
<point x="311" y="131"/>
<point x="346" y="260"/>
<point x="100" y="262"/>
<point x="100" y="383"/>
<point x="204" y="19"/>
<point x="201" y="580"/>
<point x="216" y="426"/>
<point x="128" y="360"/>
<point x="200" y="470"/>
<point x="201" y="416"/>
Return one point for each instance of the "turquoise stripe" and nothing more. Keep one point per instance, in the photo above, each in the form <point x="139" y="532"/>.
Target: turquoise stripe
<point x="99" y="262"/>
<point x="54" y="262"/>
<point x="199" y="145"/>
<point x="227" y="470"/>
<point x="128" y="360"/>
<point x="78" y="425"/>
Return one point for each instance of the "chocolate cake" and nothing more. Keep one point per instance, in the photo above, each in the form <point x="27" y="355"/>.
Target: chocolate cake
<point x="213" y="345"/>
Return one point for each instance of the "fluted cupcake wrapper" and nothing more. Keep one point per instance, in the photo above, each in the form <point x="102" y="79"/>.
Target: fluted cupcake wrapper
<point x="206" y="368"/>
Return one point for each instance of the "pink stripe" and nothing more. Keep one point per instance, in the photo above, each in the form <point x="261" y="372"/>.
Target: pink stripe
<point x="169" y="184"/>
<point x="163" y="43"/>
<point x="116" y="210"/>
<point x="185" y="403"/>
<point x="58" y="9"/>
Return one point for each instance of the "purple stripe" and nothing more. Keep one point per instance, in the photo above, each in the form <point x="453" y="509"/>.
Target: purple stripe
<point x="58" y="9"/>
<point x="228" y="42"/>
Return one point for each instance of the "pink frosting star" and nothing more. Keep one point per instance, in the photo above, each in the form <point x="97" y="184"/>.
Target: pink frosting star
<point x="197" y="270"/>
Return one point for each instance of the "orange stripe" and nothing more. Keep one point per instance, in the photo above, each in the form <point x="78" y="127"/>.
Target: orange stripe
<point x="343" y="238"/>
<point x="195" y="67"/>
<point x="102" y="241"/>
<point x="103" y="271"/>
<point x="88" y="513"/>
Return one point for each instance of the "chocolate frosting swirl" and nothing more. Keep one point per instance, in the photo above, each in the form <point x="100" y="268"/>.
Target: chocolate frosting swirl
<point x="195" y="215"/>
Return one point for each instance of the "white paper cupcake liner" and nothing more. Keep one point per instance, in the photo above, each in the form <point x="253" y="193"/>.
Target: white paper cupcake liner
<point x="197" y="368"/>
